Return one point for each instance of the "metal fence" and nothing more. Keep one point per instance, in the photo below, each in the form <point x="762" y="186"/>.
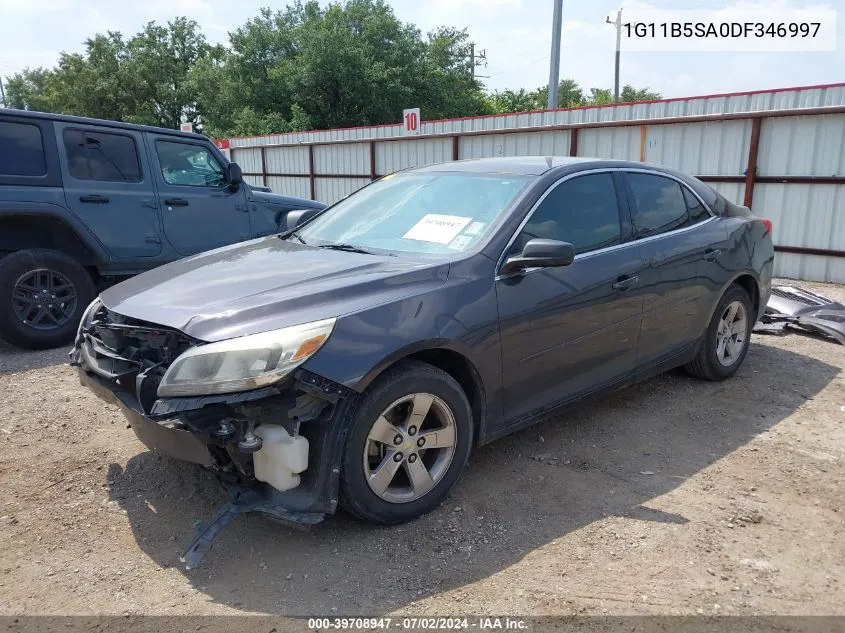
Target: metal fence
<point x="784" y="158"/>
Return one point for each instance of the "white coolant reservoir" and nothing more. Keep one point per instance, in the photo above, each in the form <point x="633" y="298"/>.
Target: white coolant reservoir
<point x="280" y="458"/>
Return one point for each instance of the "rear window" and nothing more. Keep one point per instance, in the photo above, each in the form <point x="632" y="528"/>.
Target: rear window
<point x="21" y="150"/>
<point x="101" y="156"/>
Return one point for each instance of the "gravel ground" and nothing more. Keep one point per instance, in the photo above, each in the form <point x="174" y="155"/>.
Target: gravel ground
<point x="675" y="496"/>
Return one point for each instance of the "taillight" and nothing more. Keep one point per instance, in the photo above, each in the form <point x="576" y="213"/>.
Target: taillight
<point x="767" y="224"/>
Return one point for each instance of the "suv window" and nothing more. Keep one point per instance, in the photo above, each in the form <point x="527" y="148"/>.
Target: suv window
<point x="101" y="156"/>
<point x="582" y="211"/>
<point x="697" y="211"/>
<point x="660" y="205"/>
<point x="189" y="164"/>
<point x="21" y="150"/>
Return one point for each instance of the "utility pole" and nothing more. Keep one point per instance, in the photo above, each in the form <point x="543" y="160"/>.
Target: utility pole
<point x="2" y="93"/>
<point x="618" y="25"/>
<point x="554" y="64"/>
<point x="476" y="60"/>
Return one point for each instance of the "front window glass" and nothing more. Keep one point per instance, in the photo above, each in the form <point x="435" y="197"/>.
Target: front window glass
<point x="189" y="164"/>
<point x="426" y="212"/>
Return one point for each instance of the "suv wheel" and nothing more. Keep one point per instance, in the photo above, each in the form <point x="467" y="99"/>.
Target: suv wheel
<point x="409" y="442"/>
<point x="726" y="341"/>
<point x="43" y="294"/>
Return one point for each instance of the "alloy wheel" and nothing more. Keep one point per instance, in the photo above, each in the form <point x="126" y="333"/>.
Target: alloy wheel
<point x="731" y="333"/>
<point x="409" y="448"/>
<point x="44" y="299"/>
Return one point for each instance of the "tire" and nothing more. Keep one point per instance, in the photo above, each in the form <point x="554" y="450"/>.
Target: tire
<point x="707" y="364"/>
<point x="410" y="384"/>
<point x="67" y="289"/>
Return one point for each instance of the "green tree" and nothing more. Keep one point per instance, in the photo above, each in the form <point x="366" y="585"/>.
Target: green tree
<point x="629" y="93"/>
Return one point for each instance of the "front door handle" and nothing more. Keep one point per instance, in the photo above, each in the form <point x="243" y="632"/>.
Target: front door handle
<point x="624" y="282"/>
<point x="94" y="199"/>
<point x="711" y="254"/>
<point x="176" y="202"/>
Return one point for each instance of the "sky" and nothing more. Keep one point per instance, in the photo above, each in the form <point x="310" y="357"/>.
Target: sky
<point x="515" y="34"/>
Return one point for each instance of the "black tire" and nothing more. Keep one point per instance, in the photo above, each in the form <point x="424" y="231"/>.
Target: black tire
<point x="706" y="364"/>
<point x="409" y="377"/>
<point x="15" y="266"/>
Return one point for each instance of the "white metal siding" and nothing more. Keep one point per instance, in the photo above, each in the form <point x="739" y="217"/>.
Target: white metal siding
<point x="693" y="106"/>
<point x="330" y="190"/>
<point x="810" y="267"/>
<point x="249" y="160"/>
<point x="287" y="160"/>
<point x="803" y="146"/>
<point x="809" y="216"/>
<point x="352" y="158"/>
<point x="621" y="143"/>
<point x="517" y="144"/>
<point x="290" y="186"/>
<point x="398" y="155"/>
<point x="253" y="180"/>
<point x="700" y="149"/>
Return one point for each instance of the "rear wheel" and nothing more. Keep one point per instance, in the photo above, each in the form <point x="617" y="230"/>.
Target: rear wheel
<point x="43" y="294"/>
<point x="409" y="442"/>
<point x="726" y="341"/>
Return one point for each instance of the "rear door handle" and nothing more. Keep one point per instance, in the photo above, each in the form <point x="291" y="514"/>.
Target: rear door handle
<point x="623" y="283"/>
<point x="94" y="199"/>
<point x="176" y="202"/>
<point x="711" y="254"/>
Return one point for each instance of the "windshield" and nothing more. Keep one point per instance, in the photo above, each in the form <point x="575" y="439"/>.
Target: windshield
<point x="425" y="212"/>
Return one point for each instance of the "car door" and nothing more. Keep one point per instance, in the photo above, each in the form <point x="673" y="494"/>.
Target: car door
<point x="569" y="330"/>
<point x="108" y="184"/>
<point x="199" y="209"/>
<point x="674" y="244"/>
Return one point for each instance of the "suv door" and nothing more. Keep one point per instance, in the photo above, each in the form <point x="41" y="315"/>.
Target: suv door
<point x="674" y="243"/>
<point x="569" y="330"/>
<point x="199" y="209"/>
<point x="108" y="185"/>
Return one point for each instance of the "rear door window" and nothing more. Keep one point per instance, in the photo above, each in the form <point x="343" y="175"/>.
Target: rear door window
<point x="101" y="156"/>
<point x="659" y="205"/>
<point x="21" y="150"/>
<point x="697" y="211"/>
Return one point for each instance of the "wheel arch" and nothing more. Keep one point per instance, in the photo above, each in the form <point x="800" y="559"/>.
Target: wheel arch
<point x="447" y="358"/>
<point x="22" y="230"/>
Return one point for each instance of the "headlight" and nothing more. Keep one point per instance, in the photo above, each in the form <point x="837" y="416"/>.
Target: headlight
<point x="243" y="363"/>
<point x="88" y="315"/>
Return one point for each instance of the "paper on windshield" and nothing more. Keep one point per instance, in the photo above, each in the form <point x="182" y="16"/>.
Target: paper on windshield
<point x="436" y="228"/>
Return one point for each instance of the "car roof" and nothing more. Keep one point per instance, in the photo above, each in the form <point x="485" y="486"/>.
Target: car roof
<point x="533" y="165"/>
<point x="82" y="120"/>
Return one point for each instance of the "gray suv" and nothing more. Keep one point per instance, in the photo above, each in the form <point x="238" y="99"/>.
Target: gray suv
<point x="85" y="203"/>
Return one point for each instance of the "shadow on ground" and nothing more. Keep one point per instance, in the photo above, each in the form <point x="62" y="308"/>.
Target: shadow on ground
<point x="610" y="458"/>
<point x="15" y="359"/>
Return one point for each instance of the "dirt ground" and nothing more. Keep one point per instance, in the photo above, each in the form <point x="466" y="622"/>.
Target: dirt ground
<point x="672" y="497"/>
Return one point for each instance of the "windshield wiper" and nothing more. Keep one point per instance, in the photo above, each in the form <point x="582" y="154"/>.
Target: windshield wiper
<point x="346" y="247"/>
<point x="292" y="233"/>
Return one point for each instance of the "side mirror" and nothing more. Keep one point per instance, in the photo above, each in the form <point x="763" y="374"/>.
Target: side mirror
<point x="541" y="253"/>
<point x="234" y="176"/>
<point x="298" y="217"/>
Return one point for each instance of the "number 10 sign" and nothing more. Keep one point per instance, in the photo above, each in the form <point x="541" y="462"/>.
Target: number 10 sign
<point x="411" y="121"/>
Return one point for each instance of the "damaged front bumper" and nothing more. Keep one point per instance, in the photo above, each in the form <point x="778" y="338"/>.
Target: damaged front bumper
<point x="223" y="433"/>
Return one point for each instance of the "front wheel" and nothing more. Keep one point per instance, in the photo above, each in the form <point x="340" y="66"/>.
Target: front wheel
<point x="726" y="340"/>
<point x="409" y="442"/>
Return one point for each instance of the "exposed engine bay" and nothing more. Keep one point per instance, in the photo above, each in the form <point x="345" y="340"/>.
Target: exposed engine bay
<point x="791" y="307"/>
<point x="273" y="447"/>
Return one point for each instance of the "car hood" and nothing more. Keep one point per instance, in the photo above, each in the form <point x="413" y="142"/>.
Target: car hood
<point x="289" y="202"/>
<point x="267" y="284"/>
